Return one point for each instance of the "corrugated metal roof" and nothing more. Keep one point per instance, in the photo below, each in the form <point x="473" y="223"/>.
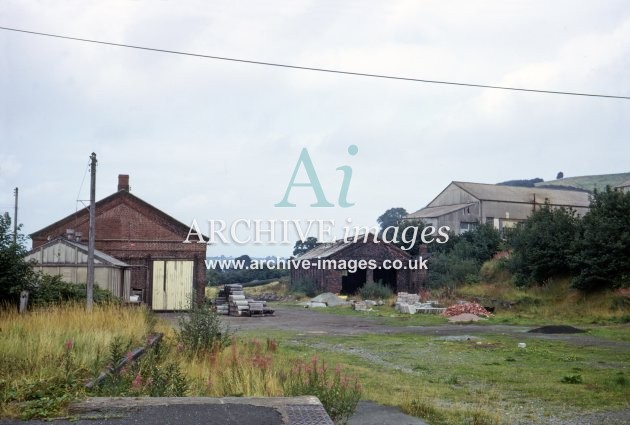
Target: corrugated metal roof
<point x="322" y="250"/>
<point x="432" y="212"/>
<point x="493" y="192"/>
<point x="326" y="249"/>
<point x="100" y="255"/>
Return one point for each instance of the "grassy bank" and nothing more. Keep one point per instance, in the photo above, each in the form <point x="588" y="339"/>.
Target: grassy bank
<point x="49" y="354"/>
<point x="59" y="347"/>
<point x="553" y="302"/>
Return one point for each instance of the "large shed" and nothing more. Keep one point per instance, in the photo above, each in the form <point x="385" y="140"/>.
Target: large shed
<point x="329" y="277"/>
<point x="165" y="272"/>
<point x="462" y="206"/>
<point x="68" y="259"/>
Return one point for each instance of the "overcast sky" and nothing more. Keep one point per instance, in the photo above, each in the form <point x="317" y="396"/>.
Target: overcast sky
<point x="208" y="139"/>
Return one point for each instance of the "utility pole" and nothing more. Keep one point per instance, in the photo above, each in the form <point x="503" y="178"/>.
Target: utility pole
<point x="91" y="234"/>
<point x="15" y="220"/>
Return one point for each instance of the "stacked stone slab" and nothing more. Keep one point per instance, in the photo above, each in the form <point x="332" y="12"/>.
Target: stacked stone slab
<point x="410" y="304"/>
<point x="231" y="301"/>
<point x="221" y="302"/>
<point x="237" y="304"/>
<point x="405" y="298"/>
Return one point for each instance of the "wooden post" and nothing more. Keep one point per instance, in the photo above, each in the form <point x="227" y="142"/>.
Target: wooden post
<point x="15" y="217"/>
<point x="23" y="301"/>
<point x="91" y="235"/>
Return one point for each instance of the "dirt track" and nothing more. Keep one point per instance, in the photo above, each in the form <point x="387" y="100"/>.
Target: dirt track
<point x="304" y="320"/>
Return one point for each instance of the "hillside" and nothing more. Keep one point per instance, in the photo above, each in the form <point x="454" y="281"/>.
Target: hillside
<point x="589" y="183"/>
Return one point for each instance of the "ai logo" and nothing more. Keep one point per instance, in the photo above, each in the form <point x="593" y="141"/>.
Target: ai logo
<point x="313" y="181"/>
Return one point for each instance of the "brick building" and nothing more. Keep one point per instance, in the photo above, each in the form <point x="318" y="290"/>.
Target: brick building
<point x="164" y="271"/>
<point x="338" y="280"/>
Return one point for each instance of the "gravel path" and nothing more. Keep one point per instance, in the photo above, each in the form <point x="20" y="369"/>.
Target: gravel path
<point x="311" y="321"/>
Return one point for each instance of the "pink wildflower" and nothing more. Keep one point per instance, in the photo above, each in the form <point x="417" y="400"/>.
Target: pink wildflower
<point x="137" y="382"/>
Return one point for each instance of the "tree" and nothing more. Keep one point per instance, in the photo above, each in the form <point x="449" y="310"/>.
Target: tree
<point x="560" y="175"/>
<point x="392" y="217"/>
<point x="302" y="247"/>
<point x="245" y="260"/>
<point x="603" y="242"/>
<point x="479" y="244"/>
<point x="407" y="227"/>
<point x="522" y="183"/>
<point x="15" y="273"/>
<point x="460" y="259"/>
<point x="543" y="246"/>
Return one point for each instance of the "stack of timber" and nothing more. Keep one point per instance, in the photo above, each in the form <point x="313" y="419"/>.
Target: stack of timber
<point x="231" y="301"/>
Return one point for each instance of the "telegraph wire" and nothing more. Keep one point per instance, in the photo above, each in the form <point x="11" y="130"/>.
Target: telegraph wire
<point x="308" y="68"/>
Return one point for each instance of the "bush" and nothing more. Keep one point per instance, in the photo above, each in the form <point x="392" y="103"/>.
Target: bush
<point x="338" y="393"/>
<point x="15" y="273"/>
<point x="202" y="332"/>
<point x="494" y="271"/>
<point x="449" y="269"/>
<point x="53" y="290"/>
<point x="375" y="290"/>
<point x="303" y="285"/>
<point x="603" y="243"/>
<point x="543" y="245"/>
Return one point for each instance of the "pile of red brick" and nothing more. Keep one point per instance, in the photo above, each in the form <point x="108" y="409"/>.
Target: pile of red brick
<point x="470" y="308"/>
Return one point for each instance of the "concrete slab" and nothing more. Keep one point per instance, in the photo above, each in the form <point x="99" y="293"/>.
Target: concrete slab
<point x="195" y="410"/>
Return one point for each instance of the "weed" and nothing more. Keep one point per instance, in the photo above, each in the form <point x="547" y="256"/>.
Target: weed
<point x="202" y="332"/>
<point x="338" y="393"/>
<point x="572" y="379"/>
<point x="375" y="291"/>
<point x="305" y="286"/>
<point x="621" y="380"/>
<point x="424" y="410"/>
<point x="452" y="380"/>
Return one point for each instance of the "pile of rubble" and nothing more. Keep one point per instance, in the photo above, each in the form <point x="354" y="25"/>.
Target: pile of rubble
<point x="466" y="308"/>
<point x="231" y="301"/>
<point x="366" y="305"/>
<point x="410" y="304"/>
<point x="328" y="299"/>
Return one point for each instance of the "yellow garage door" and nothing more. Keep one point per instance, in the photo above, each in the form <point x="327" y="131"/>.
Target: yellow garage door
<point x="172" y="284"/>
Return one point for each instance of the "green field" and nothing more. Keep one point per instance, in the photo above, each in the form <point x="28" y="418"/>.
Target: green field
<point x="590" y="183"/>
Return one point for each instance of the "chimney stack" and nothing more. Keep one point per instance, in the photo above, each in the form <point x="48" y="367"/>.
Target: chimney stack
<point x="123" y="182"/>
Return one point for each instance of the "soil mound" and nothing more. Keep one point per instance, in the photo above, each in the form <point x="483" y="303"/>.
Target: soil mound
<point x="557" y="329"/>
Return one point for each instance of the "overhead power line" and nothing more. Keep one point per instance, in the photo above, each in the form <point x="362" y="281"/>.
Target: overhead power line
<point x="308" y="68"/>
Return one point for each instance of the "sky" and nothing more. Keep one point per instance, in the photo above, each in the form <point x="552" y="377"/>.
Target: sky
<point x="214" y="140"/>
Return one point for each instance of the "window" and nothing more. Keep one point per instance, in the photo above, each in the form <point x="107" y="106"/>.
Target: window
<point x="466" y="226"/>
<point x="489" y="220"/>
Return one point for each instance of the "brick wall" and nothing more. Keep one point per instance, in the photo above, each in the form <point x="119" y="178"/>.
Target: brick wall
<point x="137" y="233"/>
<point x="327" y="280"/>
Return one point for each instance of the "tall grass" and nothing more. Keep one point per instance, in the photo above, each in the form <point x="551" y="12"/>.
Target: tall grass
<point x="28" y="341"/>
<point x="259" y="369"/>
<point x="245" y="368"/>
<point x="36" y="347"/>
<point x="47" y="355"/>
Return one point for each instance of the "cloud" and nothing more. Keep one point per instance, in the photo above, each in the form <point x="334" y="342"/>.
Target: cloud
<point x="212" y="139"/>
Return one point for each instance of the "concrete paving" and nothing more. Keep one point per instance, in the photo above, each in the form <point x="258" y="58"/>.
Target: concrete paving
<point x="194" y="411"/>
